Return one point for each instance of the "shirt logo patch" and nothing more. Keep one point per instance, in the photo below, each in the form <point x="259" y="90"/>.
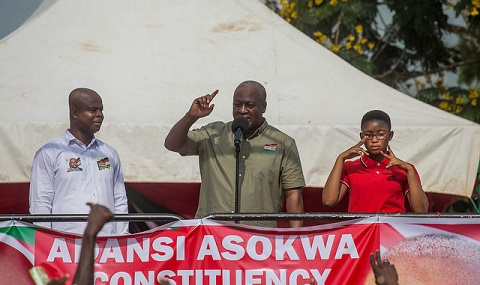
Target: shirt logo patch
<point x="74" y="164"/>
<point x="270" y="147"/>
<point x="103" y="163"/>
<point x="392" y="178"/>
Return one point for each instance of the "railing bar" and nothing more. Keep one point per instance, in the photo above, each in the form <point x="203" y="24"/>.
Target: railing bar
<point x="232" y="217"/>
<point x="83" y="217"/>
<point x="333" y="216"/>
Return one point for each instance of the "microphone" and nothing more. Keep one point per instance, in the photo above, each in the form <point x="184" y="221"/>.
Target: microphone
<point x="239" y="125"/>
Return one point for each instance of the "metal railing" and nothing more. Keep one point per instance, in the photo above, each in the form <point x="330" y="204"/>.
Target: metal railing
<point x="234" y="217"/>
<point x="83" y="217"/>
<point x="330" y="216"/>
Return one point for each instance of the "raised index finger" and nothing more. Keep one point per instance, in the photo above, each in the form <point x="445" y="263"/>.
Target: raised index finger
<point x="214" y="93"/>
<point x="385" y="154"/>
<point x="377" y="257"/>
<point x="372" y="260"/>
<point x="391" y="151"/>
<point x="362" y="141"/>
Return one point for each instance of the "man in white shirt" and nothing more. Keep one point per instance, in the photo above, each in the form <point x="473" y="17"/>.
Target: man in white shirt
<point x="76" y="169"/>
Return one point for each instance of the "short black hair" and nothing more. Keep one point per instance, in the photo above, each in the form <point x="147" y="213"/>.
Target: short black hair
<point x="376" y="115"/>
<point x="260" y="88"/>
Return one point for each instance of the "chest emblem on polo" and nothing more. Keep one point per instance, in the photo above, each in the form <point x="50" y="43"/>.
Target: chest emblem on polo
<point x="103" y="163"/>
<point x="74" y="164"/>
<point x="270" y="147"/>
<point x="392" y="178"/>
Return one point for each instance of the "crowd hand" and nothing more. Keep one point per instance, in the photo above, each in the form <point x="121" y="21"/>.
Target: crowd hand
<point x="164" y="281"/>
<point x="394" y="161"/>
<point x="355" y="150"/>
<point x="56" y="281"/>
<point x="201" y="106"/>
<point x="385" y="273"/>
<point x="98" y="216"/>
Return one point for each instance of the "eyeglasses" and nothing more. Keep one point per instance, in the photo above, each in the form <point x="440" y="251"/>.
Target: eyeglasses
<point x="380" y="136"/>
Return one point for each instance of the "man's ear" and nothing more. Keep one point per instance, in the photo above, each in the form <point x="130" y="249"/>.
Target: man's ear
<point x="74" y="112"/>
<point x="264" y="105"/>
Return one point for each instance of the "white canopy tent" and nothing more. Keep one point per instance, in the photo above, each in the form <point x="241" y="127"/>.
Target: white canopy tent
<point x="150" y="59"/>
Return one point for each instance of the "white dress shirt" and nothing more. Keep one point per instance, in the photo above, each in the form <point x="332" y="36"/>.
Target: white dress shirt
<point x="66" y="175"/>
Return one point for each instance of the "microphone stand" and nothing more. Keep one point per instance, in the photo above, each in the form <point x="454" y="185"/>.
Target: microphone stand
<point x="237" y="180"/>
<point x="239" y="125"/>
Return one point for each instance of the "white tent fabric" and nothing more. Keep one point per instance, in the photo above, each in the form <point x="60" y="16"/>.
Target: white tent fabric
<point x="150" y="59"/>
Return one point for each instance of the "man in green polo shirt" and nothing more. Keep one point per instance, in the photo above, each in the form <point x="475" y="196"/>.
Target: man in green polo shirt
<point x="270" y="167"/>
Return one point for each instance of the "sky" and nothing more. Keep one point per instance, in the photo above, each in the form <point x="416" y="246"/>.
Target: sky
<point x="14" y="12"/>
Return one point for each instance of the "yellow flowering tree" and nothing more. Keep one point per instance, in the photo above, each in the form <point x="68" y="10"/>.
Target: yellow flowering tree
<point x="407" y="44"/>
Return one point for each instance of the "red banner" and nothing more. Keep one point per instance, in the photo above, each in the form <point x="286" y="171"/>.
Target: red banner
<point x="207" y="252"/>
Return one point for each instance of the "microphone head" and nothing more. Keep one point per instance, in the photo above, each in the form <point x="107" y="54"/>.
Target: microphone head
<point x="241" y="123"/>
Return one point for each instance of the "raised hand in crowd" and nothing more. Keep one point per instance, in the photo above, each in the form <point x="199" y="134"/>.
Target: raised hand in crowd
<point x="164" y="281"/>
<point x="59" y="281"/>
<point x="99" y="216"/>
<point x="385" y="273"/>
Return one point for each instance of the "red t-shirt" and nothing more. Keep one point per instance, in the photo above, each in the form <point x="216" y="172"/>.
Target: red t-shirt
<point x="372" y="188"/>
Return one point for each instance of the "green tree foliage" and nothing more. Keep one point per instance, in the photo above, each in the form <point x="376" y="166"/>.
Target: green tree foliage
<point x="411" y="45"/>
